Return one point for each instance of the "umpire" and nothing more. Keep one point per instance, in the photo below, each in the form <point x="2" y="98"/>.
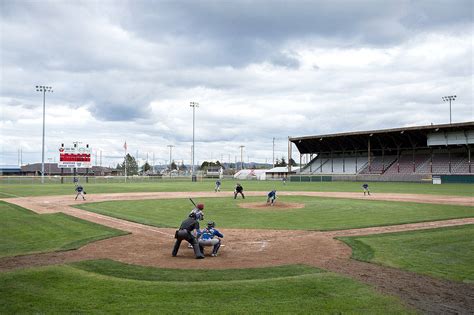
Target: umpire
<point x="184" y="233"/>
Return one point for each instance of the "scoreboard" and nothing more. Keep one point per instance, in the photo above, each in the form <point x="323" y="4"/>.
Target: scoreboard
<point x="76" y="156"/>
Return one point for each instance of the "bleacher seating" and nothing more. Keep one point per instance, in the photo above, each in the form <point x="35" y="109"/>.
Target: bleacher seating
<point x="462" y="167"/>
<point x="420" y="164"/>
<point x="379" y="165"/>
<point x="337" y="165"/>
<point x="405" y="164"/>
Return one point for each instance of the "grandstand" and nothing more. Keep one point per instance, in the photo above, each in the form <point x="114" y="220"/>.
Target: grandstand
<point x="401" y="154"/>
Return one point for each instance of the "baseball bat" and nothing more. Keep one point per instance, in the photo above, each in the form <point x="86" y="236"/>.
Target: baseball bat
<point x="190" y="199"/>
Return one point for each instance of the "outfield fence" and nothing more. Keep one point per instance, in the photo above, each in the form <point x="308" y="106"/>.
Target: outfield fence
<point x="92" y="179"/>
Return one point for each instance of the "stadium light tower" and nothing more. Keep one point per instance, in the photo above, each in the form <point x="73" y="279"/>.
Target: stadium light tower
<point x="193" y="105"/>
<point x="449" y="98"/>
<point x="44" y="89"/>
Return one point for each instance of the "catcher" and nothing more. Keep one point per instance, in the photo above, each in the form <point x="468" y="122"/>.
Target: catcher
<point x="207" y="237"/>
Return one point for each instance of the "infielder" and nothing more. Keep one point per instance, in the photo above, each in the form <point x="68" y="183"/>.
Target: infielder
<point x="207" y="237"/>
<point x="366" y="189"/>
<point x="218" y="186"/>
<point x="80" y="192"/>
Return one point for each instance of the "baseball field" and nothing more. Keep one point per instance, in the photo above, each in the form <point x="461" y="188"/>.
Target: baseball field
<point x="323" y="248"/>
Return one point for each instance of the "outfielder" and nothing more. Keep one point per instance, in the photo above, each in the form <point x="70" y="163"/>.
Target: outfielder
<point x="184" y="233"/>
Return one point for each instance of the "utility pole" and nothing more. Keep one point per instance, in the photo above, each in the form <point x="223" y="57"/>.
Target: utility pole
<point x="273" y="158"/>
<point x="193" y="105"/>
<point x="153" y="163"/>
<point x="171" y="149"/>
<point x="241" y="157"/>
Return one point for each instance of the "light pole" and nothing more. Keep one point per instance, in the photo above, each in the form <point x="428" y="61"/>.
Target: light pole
<point x="171" y="149"/>
<point x="44" y="89"/>
<point x="241" y="157"/>
<point x="273" y="159"/>
<point x="193" y="105"/>
<point x="449" y="98"/>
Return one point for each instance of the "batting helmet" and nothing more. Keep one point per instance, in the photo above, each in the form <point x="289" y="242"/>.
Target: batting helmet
<point x="200" y="206"/>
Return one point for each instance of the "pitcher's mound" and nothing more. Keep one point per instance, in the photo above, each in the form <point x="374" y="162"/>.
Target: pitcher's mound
<point x="277" y="206"/>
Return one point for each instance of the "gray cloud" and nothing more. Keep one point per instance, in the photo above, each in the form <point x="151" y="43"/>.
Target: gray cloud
<point x="126" y="70"/>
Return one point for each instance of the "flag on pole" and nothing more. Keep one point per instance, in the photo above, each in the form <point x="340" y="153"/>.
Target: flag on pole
<point x="125" y="145"/>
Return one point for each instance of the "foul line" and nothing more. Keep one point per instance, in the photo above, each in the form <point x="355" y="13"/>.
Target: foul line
<point x="4" y="193"/>
<point x="123" y="222"/>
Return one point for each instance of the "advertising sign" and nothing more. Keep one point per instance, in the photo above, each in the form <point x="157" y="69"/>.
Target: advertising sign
<point x="76" y="156"/>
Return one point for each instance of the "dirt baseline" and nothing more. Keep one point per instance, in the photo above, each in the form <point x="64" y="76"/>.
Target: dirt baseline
<point x="151" y="246"/>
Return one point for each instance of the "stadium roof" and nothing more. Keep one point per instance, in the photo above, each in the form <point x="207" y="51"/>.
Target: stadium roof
<point x="402" y="138"/>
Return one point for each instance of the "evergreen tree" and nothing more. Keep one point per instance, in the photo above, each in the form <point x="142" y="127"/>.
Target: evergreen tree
<point x="146" y="167"/>
<point x="132" y="166"/>
<point x="281" y="162"/>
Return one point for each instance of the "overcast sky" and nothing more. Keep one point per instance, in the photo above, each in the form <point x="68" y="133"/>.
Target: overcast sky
<point x="127" y="71"/>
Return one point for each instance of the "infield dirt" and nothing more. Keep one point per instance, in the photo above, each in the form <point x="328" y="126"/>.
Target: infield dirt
<point x="151" y="246"/>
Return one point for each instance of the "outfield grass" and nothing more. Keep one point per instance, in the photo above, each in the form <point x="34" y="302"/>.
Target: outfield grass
<point x="444" y="253"/>
<point x="84" y="288"/>
<point x="24" y="232"/>
<point x="318" y="214"/>
<point x="23" y="190"/>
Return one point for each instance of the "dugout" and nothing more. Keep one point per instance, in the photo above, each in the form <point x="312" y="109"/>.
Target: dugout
<point x="398" y="154"/>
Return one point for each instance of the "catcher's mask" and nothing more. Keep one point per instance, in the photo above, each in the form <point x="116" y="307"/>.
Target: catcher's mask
<point x="211" y="224"/>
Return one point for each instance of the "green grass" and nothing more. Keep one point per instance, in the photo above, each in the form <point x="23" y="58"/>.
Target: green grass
<point x="24" y="232"/>
<point x="287" y="289"/>
<point x="125" y="271"/>
<point x="318" y="214"/>
<point x="22" y="190"/>
<point x="444" y="253"/>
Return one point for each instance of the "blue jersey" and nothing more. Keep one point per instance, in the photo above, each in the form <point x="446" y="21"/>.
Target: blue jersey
<point x="365" y="186"/>
<point x="272" y="194"/>
<point x="79" y="189"/>
<point x="209" y="233"/>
